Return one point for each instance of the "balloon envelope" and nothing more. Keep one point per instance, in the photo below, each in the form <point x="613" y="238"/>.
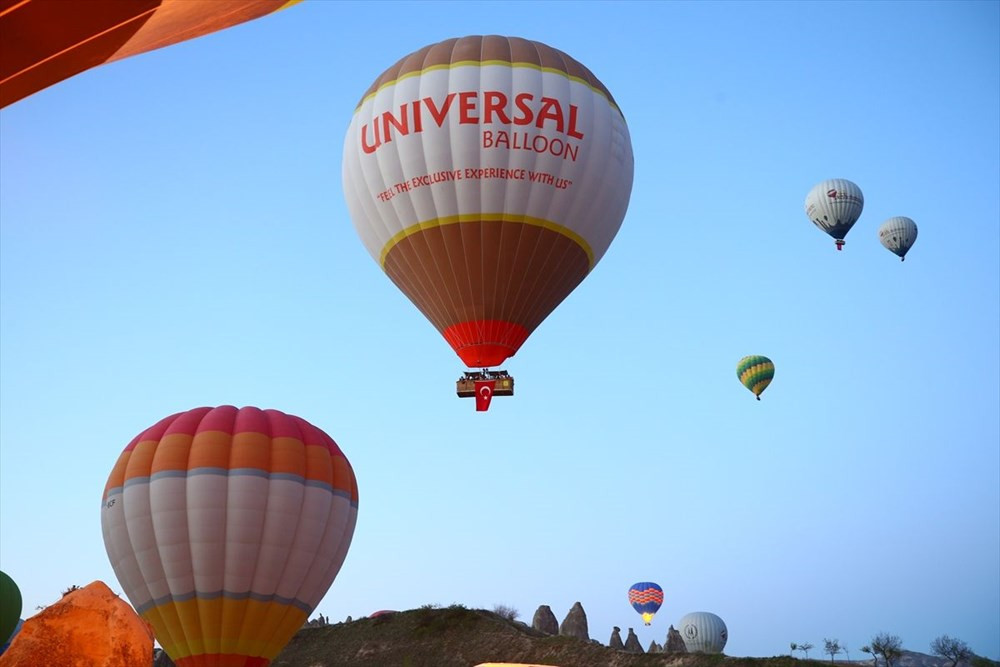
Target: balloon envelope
<point x="47" y="41"/>
<point x="225" y="528"/>
<point x="646" y="598"/>
<point x="703" y="632"/>
<point x="17" y="629"/>
<point x="10" y="606"/>
<point x="487" y="176"/>
<point x="834" y="206"/>
<point x="898" y="235"/>
<point x="755" y="372"/>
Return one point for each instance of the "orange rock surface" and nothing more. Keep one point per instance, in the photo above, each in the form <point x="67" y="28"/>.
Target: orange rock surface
<point x="89" y="627"/>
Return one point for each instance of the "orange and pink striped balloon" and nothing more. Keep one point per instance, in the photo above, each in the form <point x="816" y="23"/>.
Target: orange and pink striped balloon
<point x="226" y="527"/>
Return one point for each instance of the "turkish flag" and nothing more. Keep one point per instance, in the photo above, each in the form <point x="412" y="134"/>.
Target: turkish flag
<point x="484" y="394"/>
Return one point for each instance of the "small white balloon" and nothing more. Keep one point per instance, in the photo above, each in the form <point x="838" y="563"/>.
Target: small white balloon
<point x="703" y="632"/>
<point x="834" y="206"/>
<point x="898" y="235"/>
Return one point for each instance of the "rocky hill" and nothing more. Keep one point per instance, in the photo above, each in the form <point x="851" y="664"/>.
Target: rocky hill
<point x="460" y="637"/>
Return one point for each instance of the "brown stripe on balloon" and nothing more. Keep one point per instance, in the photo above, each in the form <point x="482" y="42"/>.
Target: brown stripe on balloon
<point x="478" y="48"/>
<point x="510" y="268"/>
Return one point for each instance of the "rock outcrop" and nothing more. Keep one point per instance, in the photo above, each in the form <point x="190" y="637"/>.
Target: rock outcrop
<point x="89" y="626"/>
<point x="575" y="623"/>
<point x="654" y="647"/>
<point x="632" y="644"/>
<point x="675" y="643"/>
<point x="545" y="621"/>
<point x="616" y="639"/>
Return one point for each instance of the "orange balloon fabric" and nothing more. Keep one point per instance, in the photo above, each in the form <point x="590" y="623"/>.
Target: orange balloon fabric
<point x="43" y="42"/>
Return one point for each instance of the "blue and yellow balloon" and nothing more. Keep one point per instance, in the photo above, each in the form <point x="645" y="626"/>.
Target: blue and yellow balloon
<point x="646" y="598"/>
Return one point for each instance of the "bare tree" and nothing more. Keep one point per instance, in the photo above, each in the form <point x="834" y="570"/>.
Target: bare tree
<point x="951" y="649"/>
<point x="847" y="651"/>
<point x="831" y="647"/>
<point x="805" y="648"/>
<point x="794" y="647"/>
<point x="506" y="612"/>
<point x="868" y="649"/>
<point x="890" y="647"/>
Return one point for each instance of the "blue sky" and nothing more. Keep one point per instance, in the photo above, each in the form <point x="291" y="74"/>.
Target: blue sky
<point x="173" y="234"/>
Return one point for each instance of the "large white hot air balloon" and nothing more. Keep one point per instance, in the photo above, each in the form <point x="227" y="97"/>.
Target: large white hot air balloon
<point x="898" y="235"/>
<point x="703" y="632"/>
<point x="487" y="176"/>
<point x="834" y="206"/>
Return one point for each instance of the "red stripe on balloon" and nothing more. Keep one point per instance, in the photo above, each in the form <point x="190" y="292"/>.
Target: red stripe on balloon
<point x="484" y="343"/>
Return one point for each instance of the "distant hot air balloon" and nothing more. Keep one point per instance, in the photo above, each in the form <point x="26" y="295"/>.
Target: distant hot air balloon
<point x="898" y="235"/>
<point x="487" y="176"/>
<point x="755" y="372"/>
<point x="47" y="41"/>
<point x="703" y="632"/>
<point x="834" y="206"/>
<point x="646" y="598"/>
<point x="225" y="528"/>
<point x="10" y="606"/>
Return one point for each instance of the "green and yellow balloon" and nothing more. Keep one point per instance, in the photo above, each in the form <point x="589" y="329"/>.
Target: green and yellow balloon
<point x="755" y="372"/>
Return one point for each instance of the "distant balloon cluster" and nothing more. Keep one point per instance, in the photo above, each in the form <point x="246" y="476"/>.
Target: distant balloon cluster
<point x="835" y="205"/>
<point x="701" y="631"/>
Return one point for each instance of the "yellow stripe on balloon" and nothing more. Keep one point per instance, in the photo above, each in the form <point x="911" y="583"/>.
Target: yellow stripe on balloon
<point x="485" y="63"/>
<point x="221" y="621"/>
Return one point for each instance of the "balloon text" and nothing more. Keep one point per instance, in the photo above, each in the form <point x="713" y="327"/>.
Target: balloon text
<point x="473" y="107"/>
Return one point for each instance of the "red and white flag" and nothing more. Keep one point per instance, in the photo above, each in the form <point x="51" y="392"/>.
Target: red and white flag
<point x="484" y="394"/>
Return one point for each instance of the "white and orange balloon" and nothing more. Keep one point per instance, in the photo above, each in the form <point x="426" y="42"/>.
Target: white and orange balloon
<point x="487" y="176"/>
<point x="225" y="528"/>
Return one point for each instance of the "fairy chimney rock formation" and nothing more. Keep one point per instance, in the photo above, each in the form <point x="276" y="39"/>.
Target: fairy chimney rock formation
<point x="616" y="639"/>
<point x="632" y="644"/>
<point x="654" y="647"/>
<point x="545" y="621"/>
<point x="89" y="626"/>
<point x="575" y="623"/>
<point x="675" y="643"/>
